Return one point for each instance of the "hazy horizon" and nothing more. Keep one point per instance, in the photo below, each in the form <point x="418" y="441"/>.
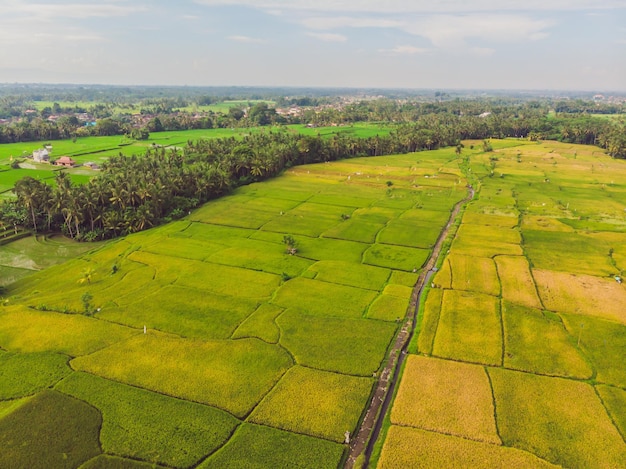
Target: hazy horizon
<point x="552" y="45"/>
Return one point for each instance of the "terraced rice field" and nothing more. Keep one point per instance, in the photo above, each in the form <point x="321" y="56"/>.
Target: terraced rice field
<point x="204" y="344"/>
<point x="522" y="338"/>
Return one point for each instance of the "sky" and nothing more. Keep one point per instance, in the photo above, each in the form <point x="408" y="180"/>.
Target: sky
<point x="420" y="44"/>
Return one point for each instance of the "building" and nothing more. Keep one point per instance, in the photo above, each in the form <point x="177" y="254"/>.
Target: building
<point x="65" y="161"/>
<point x="41" y="156"/>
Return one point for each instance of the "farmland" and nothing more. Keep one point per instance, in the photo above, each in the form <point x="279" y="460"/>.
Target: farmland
<point x="181" y="345"/>
<point x="255" y="357"/>
<point x="518" y="358"/>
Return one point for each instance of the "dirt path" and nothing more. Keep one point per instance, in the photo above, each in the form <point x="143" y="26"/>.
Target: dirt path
<point x="372" y="422"/>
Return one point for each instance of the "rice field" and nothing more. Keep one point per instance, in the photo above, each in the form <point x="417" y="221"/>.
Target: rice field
<point x="530" y="296"/>
<point x="446" y="397"/>
<point x="254" y="357"/>
<point x="469" y="328"/>
<point x="204" y="336"/>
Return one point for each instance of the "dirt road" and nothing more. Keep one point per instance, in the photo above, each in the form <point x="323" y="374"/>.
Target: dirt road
<point x="372" y="422"/>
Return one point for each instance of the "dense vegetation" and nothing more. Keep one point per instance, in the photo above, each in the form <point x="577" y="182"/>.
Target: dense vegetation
<point x="521" y="341"/>
<point x="134" y="193"/>
<point x="232" y="369"/>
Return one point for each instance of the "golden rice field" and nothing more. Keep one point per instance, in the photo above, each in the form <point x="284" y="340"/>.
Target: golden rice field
<point x="415" y="448"/>
<point x="446" y="397"/>
<point x="469" y="328"/>
<point x="472" y="273"/>
<point x="517" y="282"/>
<point x="252" y="357"/>
<point x="525" y="323"/>
<point x="204" y="343"/>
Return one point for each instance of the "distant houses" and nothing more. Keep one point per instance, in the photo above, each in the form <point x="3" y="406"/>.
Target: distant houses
<point x="65" y="161"/>
<point x="91" y="165"/>
<point x="42" y="155"/>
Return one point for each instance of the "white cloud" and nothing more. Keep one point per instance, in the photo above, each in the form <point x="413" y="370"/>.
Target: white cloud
<point x="422" y="6"/>
<point x="328" y="37"/>
<point x="455" y="30"/>
<point x="336" y="22"/>
<point x="246" y="39"/>
<point x="67" y="10"/>
<point x="404" y="50"/>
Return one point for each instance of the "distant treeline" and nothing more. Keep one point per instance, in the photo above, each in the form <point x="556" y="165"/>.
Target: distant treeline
<point x="134" y="193"/>
<point x="574" y="121"/>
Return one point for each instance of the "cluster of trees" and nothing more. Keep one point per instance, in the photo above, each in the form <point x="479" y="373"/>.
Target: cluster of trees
<point x="134" y="193"/>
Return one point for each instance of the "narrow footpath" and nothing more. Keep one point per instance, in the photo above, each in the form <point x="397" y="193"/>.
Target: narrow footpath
<point x="369" y="430"/>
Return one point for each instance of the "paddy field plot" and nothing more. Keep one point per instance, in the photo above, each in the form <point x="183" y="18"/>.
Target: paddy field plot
<point x="582" y="294"/>
<point x="550" y="335"/>
<point x="561" y="421"/>
<point x="538" y="343"/>
<point x="31" y="436"/>
<point x="518" y="285"/>
<point x="614" y="400"/>
<point x="413" y="447"/>
<point x="329" y="406"/>
<point x="230" y="375"/>
<point x="360" y="352"/>
<point x="603" y="344"/>
<point x="469" y="328"/>
<point x="447" y="397"/>
<point x="476" y="274"/>
<point x="244" y="344"/>
<point x="257" y="447"/>
<point x="545" y="251"/>
<point x="180" y="434"/>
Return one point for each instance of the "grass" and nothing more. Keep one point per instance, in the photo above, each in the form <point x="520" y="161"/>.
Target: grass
<point x="331" y="405"/>
<point x="188" y="312"/>
<point x="614" y="400"/>
<point x="405" y="232"/>
<point x="446" y="397"/>
<point x="561" y="421"/>
<point x="476" y="274"/>
<point x="431" y="313"/>
<point x="518" y="285"/>
<point x="323" y="298"/>
<point x="104" y="461"/>
<point x="261" y="324"/>
<point x="25" y="374"/>
<point x="354" y="230"/>
<point x="604" y="345"/>
<point x="581" y="294"/>
<point x="545" y="251"/>
<point x="32" y="436"/>
<point x="318" y="342"/>
<point x="230" y="375"/>
<point x="224" y="279"/>
<point x="350" y="274"/>
<point x="258" y="447"/>
<point x="411" y="447"/>
<point x="25" y="330"/>
<point x="396" y="257"/>
<point x="469" y="328"/>
<point x="388" y="308"/>
<point x="476" y="240"/>
<point x="538" y="344"/>
<point x="180" y="434"/>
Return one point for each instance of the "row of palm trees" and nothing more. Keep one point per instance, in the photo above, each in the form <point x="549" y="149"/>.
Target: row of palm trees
<point x="135" y="193"/>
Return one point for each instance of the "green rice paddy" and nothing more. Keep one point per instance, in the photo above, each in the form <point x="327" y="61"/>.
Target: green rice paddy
<point x="252" y="357"/>
<point x="208" y="337"/>
<point x="531" y="290"/>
